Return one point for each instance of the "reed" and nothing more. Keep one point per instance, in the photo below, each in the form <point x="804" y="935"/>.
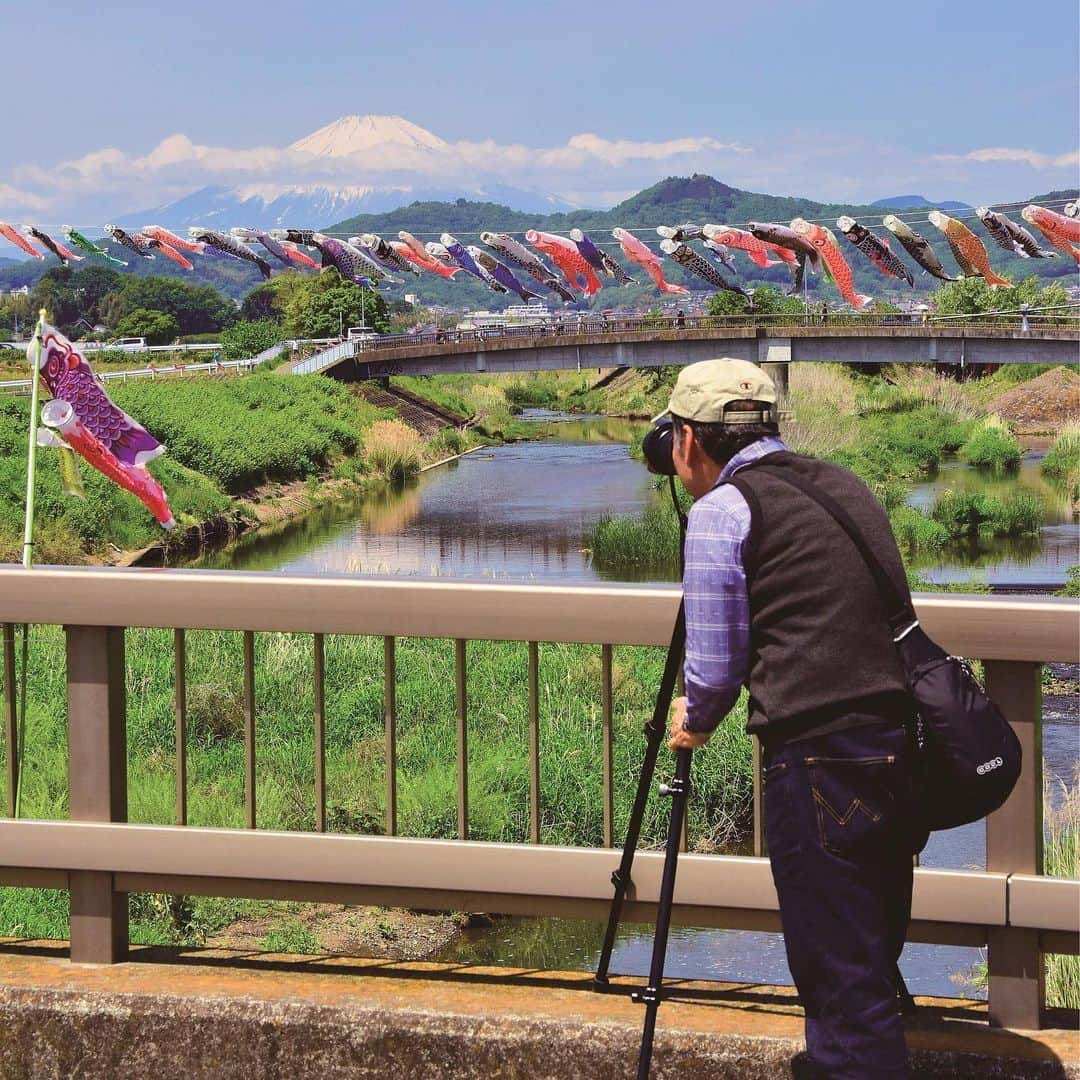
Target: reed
<point x="392" y="450"/>
<point x="1061" y="855"/>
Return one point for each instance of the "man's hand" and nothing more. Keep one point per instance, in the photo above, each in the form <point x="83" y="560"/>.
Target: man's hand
<point x="681" y="739"/>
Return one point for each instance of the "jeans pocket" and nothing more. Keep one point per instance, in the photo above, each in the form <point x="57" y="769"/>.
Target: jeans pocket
<point x="856" y="803"/>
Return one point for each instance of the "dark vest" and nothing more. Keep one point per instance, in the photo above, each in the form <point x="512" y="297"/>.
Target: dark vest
<point x="820" y="643"/>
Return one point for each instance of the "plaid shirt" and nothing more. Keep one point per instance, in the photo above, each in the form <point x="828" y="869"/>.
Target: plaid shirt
<point x="714" y="587"/>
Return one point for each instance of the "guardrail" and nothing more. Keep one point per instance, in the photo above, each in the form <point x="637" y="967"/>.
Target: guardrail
<point x="617" y="326"/>
<point x="152" y="371"/>
<point x="1009" y="908"/>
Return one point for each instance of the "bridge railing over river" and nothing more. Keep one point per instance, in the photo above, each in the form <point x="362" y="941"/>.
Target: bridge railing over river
<point x="1034" y="335"/>
<point x="1011" y="909"/>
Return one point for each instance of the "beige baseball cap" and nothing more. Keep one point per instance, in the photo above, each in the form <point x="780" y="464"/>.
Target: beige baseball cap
<point x="703" y="390"/>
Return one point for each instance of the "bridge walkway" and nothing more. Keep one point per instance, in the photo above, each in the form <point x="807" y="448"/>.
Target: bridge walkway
<point x="200" y="1014"/>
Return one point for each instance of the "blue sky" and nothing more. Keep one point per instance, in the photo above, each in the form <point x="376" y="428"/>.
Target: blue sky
<point x="833" y="100"/>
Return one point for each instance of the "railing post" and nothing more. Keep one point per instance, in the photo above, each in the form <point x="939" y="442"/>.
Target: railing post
<point x="97" y="783"/>
<point x="1014" y="844"/>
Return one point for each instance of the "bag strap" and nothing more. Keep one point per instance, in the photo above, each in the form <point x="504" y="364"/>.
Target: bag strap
<point x="902" y="619"/>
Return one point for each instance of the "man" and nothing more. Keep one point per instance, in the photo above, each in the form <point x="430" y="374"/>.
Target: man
<point x="779" y="599"/>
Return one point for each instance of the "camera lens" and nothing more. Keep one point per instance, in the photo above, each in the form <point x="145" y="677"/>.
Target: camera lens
<point x="657" y="448"/>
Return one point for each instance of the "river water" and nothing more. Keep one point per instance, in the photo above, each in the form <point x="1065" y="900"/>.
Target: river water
<point x="524" y="512"/>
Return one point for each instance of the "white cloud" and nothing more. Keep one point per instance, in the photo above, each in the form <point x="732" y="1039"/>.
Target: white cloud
<point x="1033" y="158"/>
<point x="178" y="164"/>
<point x="589" y="169"/>
<point x="16" y="202"/>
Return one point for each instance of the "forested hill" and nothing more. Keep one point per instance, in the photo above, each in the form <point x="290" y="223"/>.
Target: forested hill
<point x="698" y="199"/>
<point x="672" y="201"/>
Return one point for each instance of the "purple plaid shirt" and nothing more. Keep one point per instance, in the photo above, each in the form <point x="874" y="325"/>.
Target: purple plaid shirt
<point x="717" y="606"/>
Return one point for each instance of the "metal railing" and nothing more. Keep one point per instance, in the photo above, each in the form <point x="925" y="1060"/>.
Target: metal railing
<point x="152" y="371"/>
<point x="1009" y="908"/>
<point x="617" y="326"/>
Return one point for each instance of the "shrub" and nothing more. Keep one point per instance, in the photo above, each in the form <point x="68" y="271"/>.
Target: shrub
<point x="534" y="391"/>
<point x="991" y="445"/>
<point x="392" y="449"/>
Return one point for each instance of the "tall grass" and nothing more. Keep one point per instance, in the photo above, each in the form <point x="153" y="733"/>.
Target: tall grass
<point x="1062" y="461"/>
<point x="823" y="399"/>
<point x="941" y="391"/>
<point x="968" y="513"/>
<point x="1061" y="856"/>
<point x="571" y="795"/>
<point x="991" y="445"/>
<point x="392" y="449"/>
<point x="622" y="544"/>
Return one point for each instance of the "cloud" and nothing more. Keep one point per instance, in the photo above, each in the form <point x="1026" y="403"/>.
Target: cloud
<point x="588" y="168"/>
<point x="16" y="202"/>
<point x="1033" y="158"/>
<point x="177" y="164"/>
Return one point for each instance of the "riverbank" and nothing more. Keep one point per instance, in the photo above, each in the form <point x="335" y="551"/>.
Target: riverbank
<point x="240" y="454"/>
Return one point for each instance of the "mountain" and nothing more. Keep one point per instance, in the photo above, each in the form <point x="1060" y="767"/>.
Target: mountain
<point x="674" y="200"/>
<point x="314" y="205"/>
<point x="917" y="202"/>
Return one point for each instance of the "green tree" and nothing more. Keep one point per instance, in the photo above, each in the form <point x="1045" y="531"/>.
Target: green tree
<point x="158" y="327"/>
<point x="197" y="309"/>
<point x="70" y="295"/>
<point x="245" y="339"/>
<point x="972" y="296"/>
<point x="767" y="301"/>
<point x="326" y="303"/>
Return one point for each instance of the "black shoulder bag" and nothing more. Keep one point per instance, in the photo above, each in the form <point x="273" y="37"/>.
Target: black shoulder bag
<point x="970" y="755"/>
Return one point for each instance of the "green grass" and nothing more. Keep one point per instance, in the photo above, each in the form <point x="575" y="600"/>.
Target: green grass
<point x="66" y="528"/>
<point x="1062" y="859"/>
<point x="243" y="432"/>
<point x="967" y="514"/>
<point x="1062" y="461"/>
<point x="916" y="531"/>
<point x="571" y="755"/>
<point x="633" y="546"/>
<point x="990" y="445"/>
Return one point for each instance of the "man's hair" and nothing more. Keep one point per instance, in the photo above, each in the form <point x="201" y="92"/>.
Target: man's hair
<point x="723" y="441"/>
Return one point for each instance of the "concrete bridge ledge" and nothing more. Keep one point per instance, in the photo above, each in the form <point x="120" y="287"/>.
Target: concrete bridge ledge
<point x="200" y="1014"/>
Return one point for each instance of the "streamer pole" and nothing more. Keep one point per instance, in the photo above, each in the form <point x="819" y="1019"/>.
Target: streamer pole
<point x="31" y="452"/>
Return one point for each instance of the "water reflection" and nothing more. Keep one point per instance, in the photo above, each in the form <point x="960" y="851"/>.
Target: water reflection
<point x="1041" y="559"/>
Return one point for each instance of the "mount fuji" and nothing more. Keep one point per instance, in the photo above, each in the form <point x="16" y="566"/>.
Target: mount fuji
<point x="319" y="203"/>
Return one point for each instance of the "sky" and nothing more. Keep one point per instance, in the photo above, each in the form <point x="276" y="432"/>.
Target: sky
<point x="836" y="101"/>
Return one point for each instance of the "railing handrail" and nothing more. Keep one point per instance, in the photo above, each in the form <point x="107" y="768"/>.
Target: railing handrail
<point x="1033" y="629"/>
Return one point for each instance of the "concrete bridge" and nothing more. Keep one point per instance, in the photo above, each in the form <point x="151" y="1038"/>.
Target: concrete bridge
<point x="651" y="342"/>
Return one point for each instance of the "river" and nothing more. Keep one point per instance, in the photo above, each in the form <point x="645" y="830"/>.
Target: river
<point x="524" y="512"/>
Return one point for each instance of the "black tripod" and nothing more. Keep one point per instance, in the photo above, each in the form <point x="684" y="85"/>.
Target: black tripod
<point x="677" y="790"/>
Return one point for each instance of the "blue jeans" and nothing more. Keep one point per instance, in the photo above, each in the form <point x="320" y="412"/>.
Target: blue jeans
<point x="842" y="822"/>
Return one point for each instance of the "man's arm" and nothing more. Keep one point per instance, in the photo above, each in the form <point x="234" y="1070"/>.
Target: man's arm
<point x="717" y="610"/>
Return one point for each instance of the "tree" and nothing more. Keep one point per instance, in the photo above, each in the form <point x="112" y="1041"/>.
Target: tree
<point x="972" y="296"/>
<point x="767" y="301"/>
<point x="326" y="303"/>
<point x="158" y="327"/>
<point x="245" y="339"/>
<point x="197" y="309"/>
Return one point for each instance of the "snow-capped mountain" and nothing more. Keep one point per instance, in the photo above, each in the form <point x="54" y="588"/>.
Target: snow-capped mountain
<point x="317" y="204"/>
<point x="356" y="134"/>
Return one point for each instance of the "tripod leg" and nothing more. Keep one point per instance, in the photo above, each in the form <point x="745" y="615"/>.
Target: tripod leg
<point x="652" y="994"/>
<point x="655" y="731"/>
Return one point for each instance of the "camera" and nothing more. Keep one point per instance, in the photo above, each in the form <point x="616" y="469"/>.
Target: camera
<point x="658" y="446"/>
